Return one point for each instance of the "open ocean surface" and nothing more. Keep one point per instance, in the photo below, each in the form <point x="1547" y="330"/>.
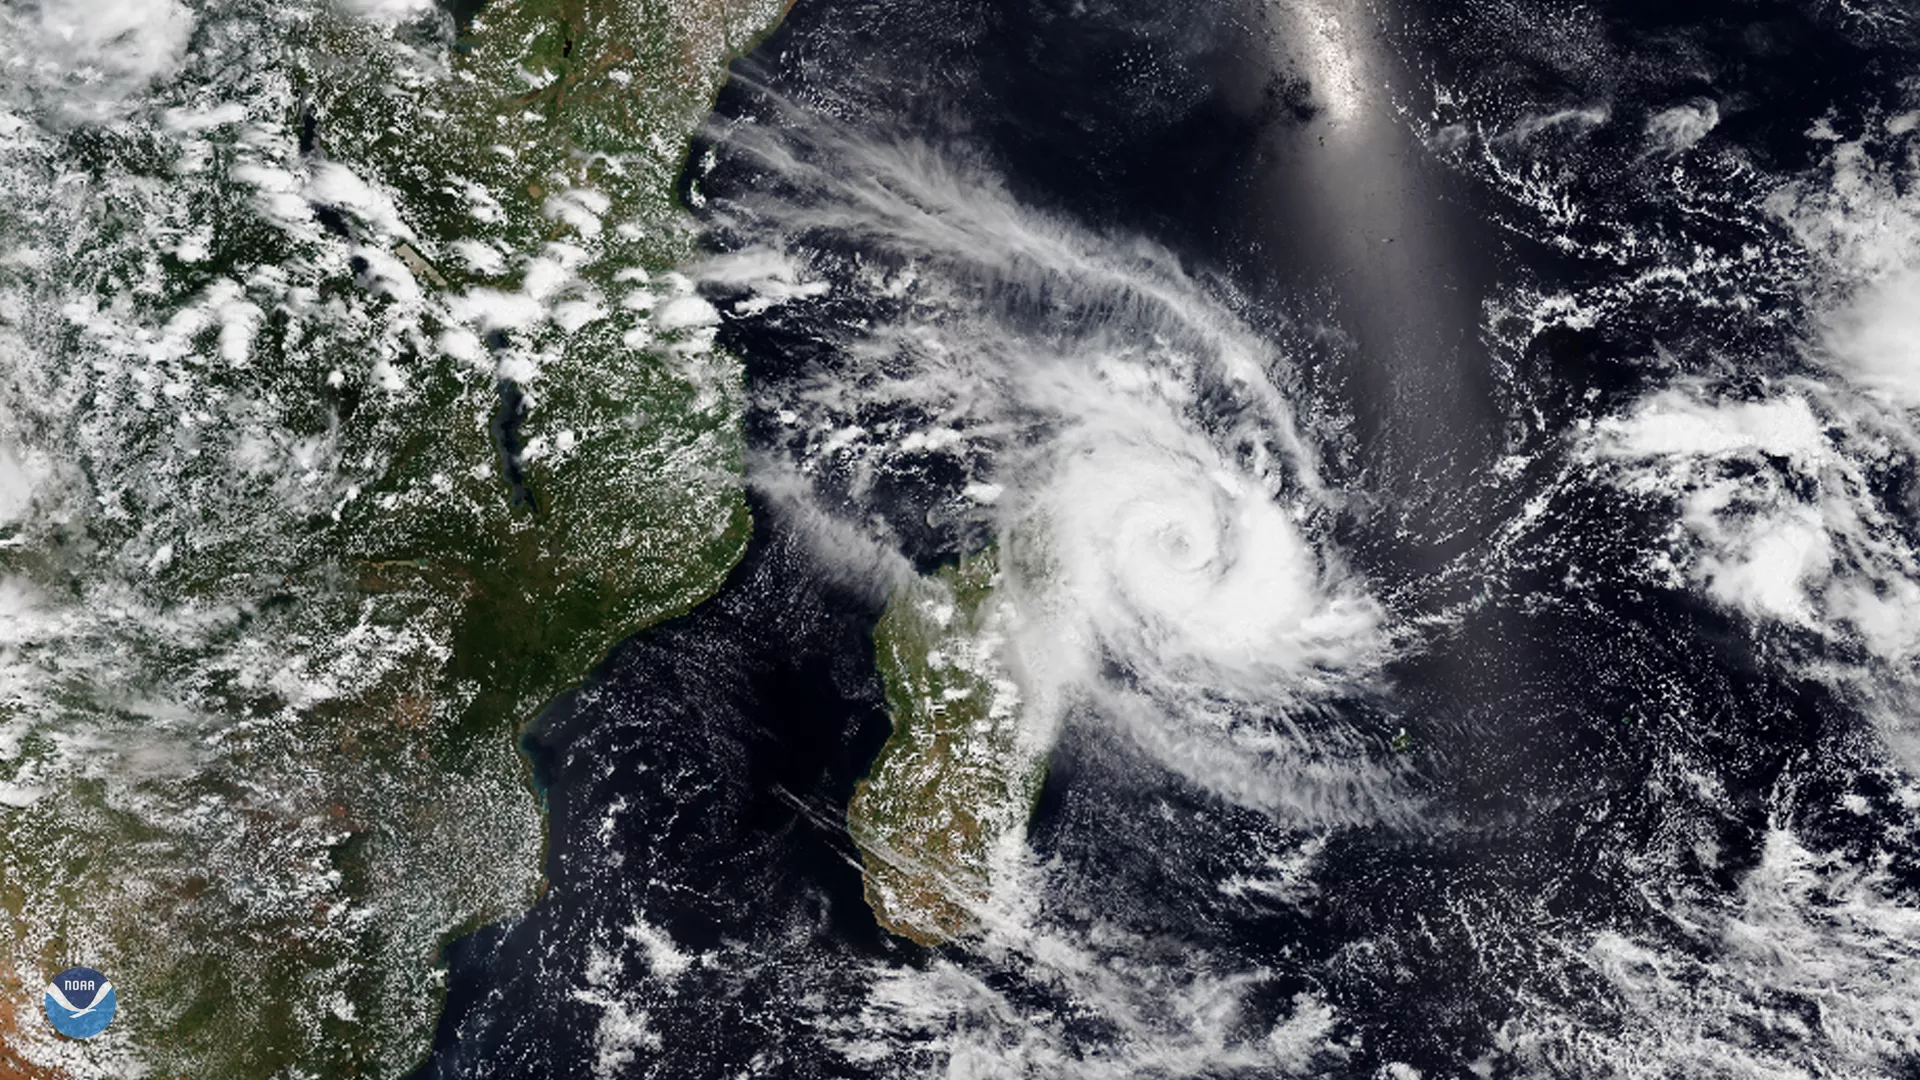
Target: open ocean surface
<point x="1586" y="755"/>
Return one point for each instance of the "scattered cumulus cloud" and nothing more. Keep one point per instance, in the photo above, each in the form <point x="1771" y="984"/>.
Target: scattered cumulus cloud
<point x="388" y="11"/>
<point x="84" y="57"/>
<point x="1674" y="130"/>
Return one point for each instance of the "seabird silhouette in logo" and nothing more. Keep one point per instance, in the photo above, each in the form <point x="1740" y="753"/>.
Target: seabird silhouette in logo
<point x="80" y="1002"/>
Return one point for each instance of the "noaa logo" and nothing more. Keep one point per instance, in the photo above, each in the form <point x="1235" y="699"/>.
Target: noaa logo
<point x="80" y="1002"/>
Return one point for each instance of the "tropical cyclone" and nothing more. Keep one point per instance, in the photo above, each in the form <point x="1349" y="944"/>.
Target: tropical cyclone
<point x="1143" y="535"/>
<point x="352" y="409"/>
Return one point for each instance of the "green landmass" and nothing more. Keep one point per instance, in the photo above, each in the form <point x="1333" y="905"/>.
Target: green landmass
<point x="287" y="607"/>
<point x="955" y="782"/>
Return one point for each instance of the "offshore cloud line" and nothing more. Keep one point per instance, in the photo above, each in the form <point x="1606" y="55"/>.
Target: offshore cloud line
<point x="1116" y="430"/>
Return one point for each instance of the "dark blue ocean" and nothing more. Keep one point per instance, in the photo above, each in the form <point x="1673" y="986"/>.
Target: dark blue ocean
<point x="704" y="916"/>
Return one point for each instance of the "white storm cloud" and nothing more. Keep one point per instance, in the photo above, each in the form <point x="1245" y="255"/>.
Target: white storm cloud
<point x="89" y="55"/>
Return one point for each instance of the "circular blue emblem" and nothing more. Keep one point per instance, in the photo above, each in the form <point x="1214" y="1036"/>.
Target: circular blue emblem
<point x="80" y="1002"/>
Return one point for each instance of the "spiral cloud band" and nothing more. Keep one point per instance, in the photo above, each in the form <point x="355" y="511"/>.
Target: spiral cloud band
<point x="1099" y="415"/>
